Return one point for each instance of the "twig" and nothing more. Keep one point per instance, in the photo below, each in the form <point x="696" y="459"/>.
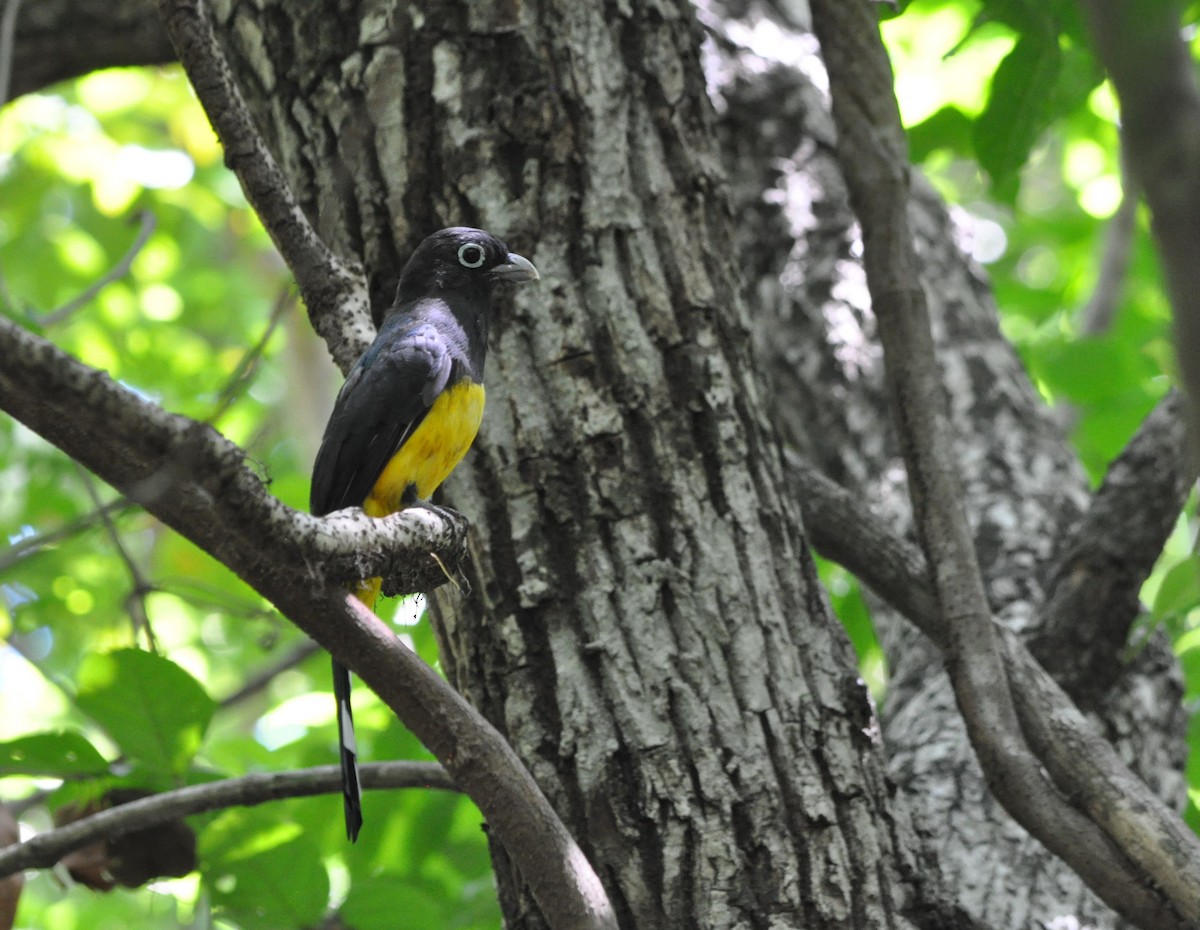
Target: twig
<point x="255" y="683"/>
<point x="1143" y="48"/>
<point x="300" y="563"/>
<point x="844" y="529"/>
<point x="45" y="849"/>
<point x="1095" y="585"/>
<point x="27" y="546"/>
<point x="334" y="291"/>
<point x="146" y="226"/>
<point x="234" y="385"/>
<point x="1098" y="313"/>
<point x="135" y="602"/>
<point x="8" y="30"/>
<point x="874" y="159"/>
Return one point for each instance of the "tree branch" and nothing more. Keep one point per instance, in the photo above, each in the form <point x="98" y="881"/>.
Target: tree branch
<point x="28" y="545"/>
<point x="197" y="482"/>
<point x="1094" y="587"/>
<point x="1097" y="314"/>
<point x="868" y="124"/>
<point x="135" y="600"/>
<point x="61" y="39"/>
<point x="45" y="849"/>
<point x="258" y="681"/>
<point x="1142" y="46"/>
<point x="146" y="224"/>
<point x="1082" y="764"/>
<point x="8" y="29"/>
<point x="334" y="291"/>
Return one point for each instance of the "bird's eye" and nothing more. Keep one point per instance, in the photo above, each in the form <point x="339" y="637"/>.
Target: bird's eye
<point x="471" y="255"/>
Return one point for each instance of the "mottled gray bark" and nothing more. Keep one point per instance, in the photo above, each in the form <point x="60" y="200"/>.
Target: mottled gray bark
<point x="1026" y="491"/>
<point x="625" y="495"/>
<point x="640" y="616"/>
<point x="60" y="39"/>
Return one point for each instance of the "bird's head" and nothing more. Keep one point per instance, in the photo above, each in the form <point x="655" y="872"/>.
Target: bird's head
<point x="461" y="258"/>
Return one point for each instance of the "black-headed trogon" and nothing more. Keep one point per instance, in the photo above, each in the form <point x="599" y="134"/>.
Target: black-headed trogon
<point x="410" y="409"/>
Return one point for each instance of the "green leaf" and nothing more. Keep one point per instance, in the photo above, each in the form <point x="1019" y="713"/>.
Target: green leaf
<point x="1018" y="107"/>
<point x="374" y="903"/>
<point x="263" y="880"/>
<point x="155" y="711"/>
<point x="1187" y="648"/>
<point x="60" y="754"/>
<point x="1180" y="589"/>
<point x="948" y="128"/>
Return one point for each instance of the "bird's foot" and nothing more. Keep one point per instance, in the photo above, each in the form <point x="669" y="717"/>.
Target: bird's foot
<point x="450" y="516"/>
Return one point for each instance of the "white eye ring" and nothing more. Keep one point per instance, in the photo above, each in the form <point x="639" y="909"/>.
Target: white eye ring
<point x="473" y="249"/>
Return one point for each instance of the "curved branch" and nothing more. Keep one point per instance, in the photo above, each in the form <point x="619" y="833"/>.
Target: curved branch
<point x="45" y="849"/>
<point x="1083" y="765"/>
<point x="61" y="39"/>
<point x="146" y="223"/>
<point x="876" y="174"/>
<point x="8" y="30"/>
<point x="26" y="546"/>
<point x="334" y="291"/>
<point x="1094" y="587"/>
<point x="197" y="482"/>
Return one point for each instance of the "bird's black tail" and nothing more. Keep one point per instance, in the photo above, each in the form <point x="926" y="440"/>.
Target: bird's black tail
<point x="347" y="751"/>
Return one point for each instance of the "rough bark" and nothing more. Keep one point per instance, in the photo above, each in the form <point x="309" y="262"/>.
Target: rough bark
<point x="641" y="616"/>
<point x="364" y="112"/>
<point x="1025" y="489"/>
<point x="60" y="39"/>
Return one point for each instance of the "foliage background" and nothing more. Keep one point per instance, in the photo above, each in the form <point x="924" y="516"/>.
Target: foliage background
<point x="203" y="323"/>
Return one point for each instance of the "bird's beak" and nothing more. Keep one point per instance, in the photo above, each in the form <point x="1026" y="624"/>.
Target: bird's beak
<point x="515" y="270"/>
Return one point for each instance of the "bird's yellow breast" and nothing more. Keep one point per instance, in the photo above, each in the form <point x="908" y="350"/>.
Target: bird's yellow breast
<point x="429" y="455"/>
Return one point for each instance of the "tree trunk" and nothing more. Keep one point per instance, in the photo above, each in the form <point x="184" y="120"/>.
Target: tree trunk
<point x="641" y="616"/>
<point x="1026" y="490"/>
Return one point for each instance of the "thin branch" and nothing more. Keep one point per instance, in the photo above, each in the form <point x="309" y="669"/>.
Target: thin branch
<point x="28" y="545"/>
<point x="1143" y="48"/>
<point x="8" y="30"/>
<point x="1096" y="316"/>
<point x="1082" y="764"/>
<point x="1094" y="589"/>
<point x="242" y="372"/>
<point x="301" y="564"/>
<point x="147" y="223"/>
<point x="45" y="849"/>
<point x="874" y="159"/>
<point x="135" y="601"/>
<point x="257" y="682"/>
<point x="334" y="291"/>
<point x="198" y="482"/>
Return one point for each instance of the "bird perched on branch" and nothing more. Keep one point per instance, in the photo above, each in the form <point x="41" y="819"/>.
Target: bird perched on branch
<point x="410" y="409"/>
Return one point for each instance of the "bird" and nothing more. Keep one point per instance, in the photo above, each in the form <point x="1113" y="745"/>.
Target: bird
<point x="409" y="410"/>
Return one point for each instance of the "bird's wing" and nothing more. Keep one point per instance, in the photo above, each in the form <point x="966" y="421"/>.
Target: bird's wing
<point x="384" y="399"/>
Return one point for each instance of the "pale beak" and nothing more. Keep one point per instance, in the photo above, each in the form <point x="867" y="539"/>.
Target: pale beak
<point x="515" y="270"/>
